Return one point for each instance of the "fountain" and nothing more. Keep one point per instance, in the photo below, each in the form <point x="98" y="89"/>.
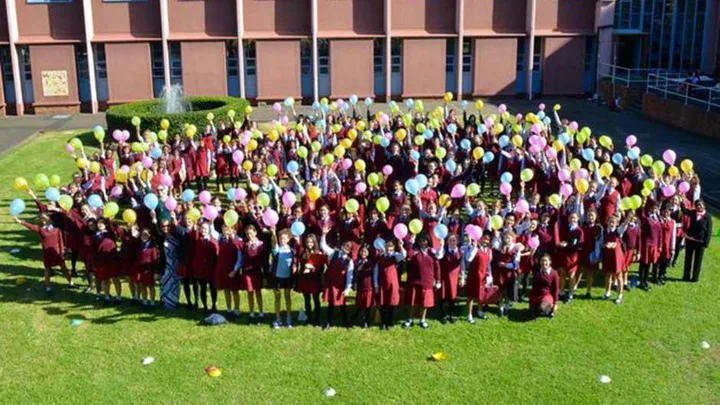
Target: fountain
<point x="173" y="100"/>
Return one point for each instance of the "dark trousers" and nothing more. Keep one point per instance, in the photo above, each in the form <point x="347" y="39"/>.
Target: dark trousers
<point x="693" y="260"/>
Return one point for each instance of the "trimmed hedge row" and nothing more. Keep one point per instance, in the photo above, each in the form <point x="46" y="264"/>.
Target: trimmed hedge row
<point x="150" y="113"/>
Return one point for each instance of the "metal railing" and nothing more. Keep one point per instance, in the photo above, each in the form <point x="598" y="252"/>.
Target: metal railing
<point x="627" y="76"/>
<point x="676" y="87"/>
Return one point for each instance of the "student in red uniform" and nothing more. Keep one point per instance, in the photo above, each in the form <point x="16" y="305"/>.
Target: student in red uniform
<point x="589" y="252"/>
<point x="505" y="271"/>
<point x="146" y="267"/>
<point x="52" y="248"/>
<point x="105" y="260"/>
<point x="254" y="262"/>
<point x="309" y="269"/>
<point x="204" y="258"/>
<point x="667" y="245"/>
<point x="631" y="242"/>
<point x="423" y="275"/>
<point x="545" y="290"/>
<point x="613" y="258"/>
<point x="568" y="241"/>
<point x="386" y="281"/>
<point x="651" y="232"/>
<point x="450" y="257"/>
<point x="338" y="277"/>
<point x="229" y="261"/>
<point x="476" y="273"/>
<point x="363" y="276"/>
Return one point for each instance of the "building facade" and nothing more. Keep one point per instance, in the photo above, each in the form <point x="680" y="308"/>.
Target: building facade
<point x="71" y="55"/>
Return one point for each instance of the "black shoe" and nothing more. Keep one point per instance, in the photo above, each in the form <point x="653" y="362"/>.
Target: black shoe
<point x="327" y="326"/>
<point x="48" y="292"/>
<point x="452" y="319"/>
<point x="588" y="296"/>
<point x="444" y="320"/>
<point x="481" y="315"/>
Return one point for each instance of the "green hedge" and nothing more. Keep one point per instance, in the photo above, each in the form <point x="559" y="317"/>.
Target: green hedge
<point x="149" y="111"/>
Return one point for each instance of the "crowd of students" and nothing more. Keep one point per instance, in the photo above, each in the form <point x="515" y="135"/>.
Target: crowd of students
<point x="414" y="208"/>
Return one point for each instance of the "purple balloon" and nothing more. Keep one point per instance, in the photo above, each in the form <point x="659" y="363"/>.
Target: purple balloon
<point x="522" y="207"/>
<point x="684" y="187"/>
<point x="400" y="231"/>
<point x="205" y="197"/>
<point x="270" y="217"/>
<point x="669" y="190"/>
<point x="288" y="199"/>
<point x="669" y="157"/>
<point x="505" y="189"/>
<point x="210" y="212"/>
<point x="171" y="204"/>
<point x="474" y="232"/>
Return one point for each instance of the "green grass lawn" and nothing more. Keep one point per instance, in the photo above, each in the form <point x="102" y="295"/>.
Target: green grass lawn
<point x="649" y="345"/>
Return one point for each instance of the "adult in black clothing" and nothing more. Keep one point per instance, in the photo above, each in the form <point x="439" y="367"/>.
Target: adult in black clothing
<point x="697" y="238"/>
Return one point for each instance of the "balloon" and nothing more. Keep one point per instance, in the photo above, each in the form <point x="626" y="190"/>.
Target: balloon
<point x="605" y="141"/>
<point x="412" y="186"/>
<point x="289" y="199"/>
<point x="382" y="204"/>
<point x="230" y="218"/>
<point x="554" y="200"/>
<point x="686" y="166"/>
<point x="52" y="194"/>
<point x="505" y="188"/>
<point x="669" y="190"/>
<point x="458" y="191"/>
<point x="526" y="175"/>
<point x="440" y="152"/>
<point x="240" y="194"/>
<point x="478" y="153"/>
<point x="17" y="206"/>
<point x="193" y="214"/>
<point x="352" y="206"/>
<point x="205" y="197"/>
<point x="646" y="160"/>
<point x="129" y="216"/>
<point x="297" y="228"/>
<point x="581" y="185"/>
<point x="263" y="199"/>
<point x="150" y="201"/>
<point x="503" y="141"/>
<point x="400" y="231"/>
<point x="248" y="110"/>
<point x="313" y="193"/>
<point x="440" y="231"/>
<point x="171" y="203"/>
<point x="188" y="195"/>
<point x="673" y="171"/>
<point x="372" y="179"/>
<point x="565" y="190"/>
<point x="65" y="202"/>
<point x="54" y="180"/>
<point x="270" y="217"/>
<point x="473" y="189"/>
<point x="506" y="177"/>
<point x="474" y="232"/>
<point x="658" y="167"/>
<point x="684" y="187"/>
<point x="20" y="184"/>
<point x="606" y="169"/>
<point x="135" y="121"/>
<point x="451" y="128"/>
<point x="631" y="140"/>
<point x="238" y="157"/>
<point x="361" y="187"/>
<point x="272" y="170"/>
<point x="450" y="165"/>
<point x="636" y="202"/>
<point x="210" y="212"/>
<point x="95" y="201"/>
<point x="564" y="174"/>
<point x="379" y="244"/>
<point x="488" y="157"/>
<point x="522" y="207"/>
<point x="247" y="165"/>
<point x="415" y="226"/>
<point x="575" y="165"/>
<point x="534" y="242"/>
<point x="111" y="209"/>
<point x="617" y="159"/>
<point x="479" y="105"/>
<point x="496" y="222"/>
<point x="588" y="154"/>
<point x="41" y="181"/>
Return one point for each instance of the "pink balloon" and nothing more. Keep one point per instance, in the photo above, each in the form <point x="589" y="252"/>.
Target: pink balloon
<point x="564" y="174"/>
<point x="284" y="120"/>
<point x="542" y="142"/>
<point x="566" y="189"/>
<point x="669" y="157"/>
<point x="125" y="135"/>
<point x="147" y="162"/>
<point x="347" y="163"/>
<point x="518" y="117"/>
<point x="270" y="217"/>
<point x="474" y="232"/>
<point x="125" y="168"/>
<point x="360" y="188"/>
<point x="339" y="102"/>
<point x="505" y="189"/>
<point x="522" y="207"/>
<point x="534" y="149"/>
<point x="541" y="107"/>
<point x="246" y="137"/>
<point x="502" y="108"/>
<point x="384" y="119"/>
<point x="210" y="212"/>
<point x="489" y="122"/>
<point x="551" y="153"/>
<point x="387" y="170"/>
<point x="631" y="140"/>
<point x="166" y="180"/>
<point x="684" y="187"/>
<point x="238" y="157"/>
<point x="535" y="129"/>
<point x="582" y="173"/>
<point x="171" y="204"/>
<point x="400" y="231"/>
<point x="574" y="125"/>
<point x="534" y="242"/>
<point x="458" y="191"/>
<point x="117" y="135"/>
<point x="240" y="194"/>
<point x="669" y="191"/>
<point x="116" y="191"/>
<point x="205" y="197"/>
<point x="69" y="148"/>
<point x="277" y="107"/>
<point x="289" y="199"/>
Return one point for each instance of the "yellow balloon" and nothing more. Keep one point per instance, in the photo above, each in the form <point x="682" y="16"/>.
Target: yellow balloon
<point x="328" y="159"/>
<point x="248" y="110"/>
<point x="346" y="143"/>
<point x="360" y="165"/>
<point x="94" y="167"/>
<point x="361" y="125"/>
<point x="581" y="185"/>
<point x="673" y="171"/>
<point x="496" y="222"/>
<point x="444" y="199"/>
<point x="478" y="153"/>
<point x="339" y="151"/>
<point x="313" y="193"/>
<point x="575" y="165"/>
<point x="415" y="226"/>
<point x="81" y="163"/>
<point x="110" y="210"/>
<point x="448" y="97"/>
<point x="20" y="184"/>
<point x="65" y="202"/>
<point x="606" y="169"/>
<point x="352" y="134"/>
<point x="440" y="152"/>
<point x="517" y="141"/>
<point x="247" y="165"/>
<point x="120" y="177"/>
<point x="554" y="200"/>
<point x="252" y="145"/>
<point x="129" y="216"/>
<point x="382" y="204"/>
<point x="193" y="214"/>
<point x="686" y="165"/>
<point x="479" y="105"/>
<point x="401" y="134"/>
<point x="273" y="135"/>
<point x="558" y="146"/>
<point x="164" y="124"/>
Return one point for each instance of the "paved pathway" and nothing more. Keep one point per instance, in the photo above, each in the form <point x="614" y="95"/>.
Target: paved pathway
<point x="653" y="137"/>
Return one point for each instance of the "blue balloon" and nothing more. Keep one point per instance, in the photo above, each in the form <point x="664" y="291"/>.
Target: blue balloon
<point x="588" y="154"/>
<point x="618" y="158"/>
<point x="379" y="244"/>
<point x="465" y="144"/>
<point x="188" y="195"/>
<point x="428" y="134"/>
<point x="231" y="194"/>
<point x="292" y="166"/>
<point x="421" y="180"/>
<point x="412" y="186"/>
<point x="17" y="206"/>
<point x="633" y="153"/>
<point x="384" y="142"/>
<point x="450" y="166"/>
<point x="345" y="107"/>
<point x="546" y="121"/>
<point x="504" y="141"/>
<point x="564" y="138"/>
<point x="315" y="105"/>
<point x="95" y="201"/>
<point x="392" y="105"/>
<point x="488" y="157"/>
<point x="320" y="123"/>
<point x="482" y="129"/>
<point x="297" y="228"/>
<point x="150" y="201"/>
<point x="288" y="102"/>
<point x="353" y="99"/>
<point x="415" y="155"/>
<point x="541" y="114"/>
<point x="368" y="101"/>
<point x="452" y="128"/>
<point x="325" y="108"/>
<point x="441" y="231"/>
<point x="409" y="103"/>
<point x="155" y="153"/>
<point x="464" y="105"/>
<point x="52" y="194"/>
<point x="506" y="177"/>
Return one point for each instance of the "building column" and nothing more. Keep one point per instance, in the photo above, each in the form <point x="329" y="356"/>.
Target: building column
<point x="15" y="61"/>
<point x="316" y="74"/>
<point x="165" y="27"/>
<point x="240" y="48"/>
<point x="530" y="48"/>
<point x="388" y="50"/>
<point x="89" y="35"/>
<point x="460" y="7"/>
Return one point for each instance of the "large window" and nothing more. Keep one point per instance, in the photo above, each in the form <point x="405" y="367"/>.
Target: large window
<point x="231" y="58"/>
<point x="467" y="55"/>
<point x="100" y="61"/>
<point x="396" y="54"/>
<point x="520" y="62"/>
<point x="323" y="56"/>
<point x="450" y="55"/>
<point x="306" y="57"/>
<point x="175" y="63"/>
<point x="589" y="53"/>
<point x="537" y="55"/>
<point x="250" y="59"/>
<point x="378" y="55"/>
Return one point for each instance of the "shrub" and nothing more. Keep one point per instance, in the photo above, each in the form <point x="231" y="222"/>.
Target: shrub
<point x="150" y="113"/>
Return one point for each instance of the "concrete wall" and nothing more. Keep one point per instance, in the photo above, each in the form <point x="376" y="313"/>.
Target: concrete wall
<point x="421" y="17"/>
<point x="48" y="22"/>
<point x="273" y="18"/>
<point x="202" y="18"/>
<point x="484" y="17"/>
<point x="350" y="17"/>
<point x="123" y="21"/>
<point x="565" y="16"/>
<point x="675" y="113"/>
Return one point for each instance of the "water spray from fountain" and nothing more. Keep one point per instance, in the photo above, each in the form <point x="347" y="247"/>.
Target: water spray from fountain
<point x="173" y="100"/>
